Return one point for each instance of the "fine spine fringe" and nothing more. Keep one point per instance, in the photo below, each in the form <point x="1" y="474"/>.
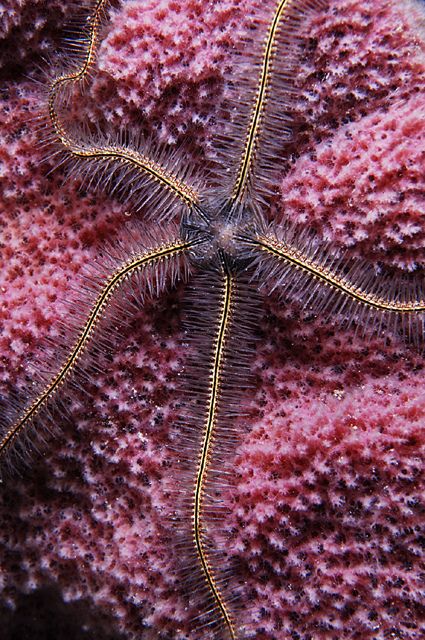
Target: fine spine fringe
<point x="256" y="117"/>
<point x="345" y="290"/>
<point x="221" y="318"/>
<point x="133" y="269"/>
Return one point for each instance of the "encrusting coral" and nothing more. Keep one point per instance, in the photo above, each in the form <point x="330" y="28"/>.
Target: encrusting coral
<point x="326" y="509"/>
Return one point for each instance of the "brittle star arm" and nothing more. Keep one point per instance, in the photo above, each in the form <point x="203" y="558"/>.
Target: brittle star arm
<point x="146" y="269"/>
<point x="329" y="284"/>
<point x="220" y="321"/>
<point x="263" y="97"/>
<point x="123" y="167"/>
<point x="227" y="286"/>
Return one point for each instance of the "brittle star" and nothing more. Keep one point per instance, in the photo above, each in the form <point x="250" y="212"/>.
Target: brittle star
<point x="216" y="226"/>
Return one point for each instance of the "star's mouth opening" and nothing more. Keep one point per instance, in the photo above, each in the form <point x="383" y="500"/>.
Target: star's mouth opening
<point x="218" y="232"/>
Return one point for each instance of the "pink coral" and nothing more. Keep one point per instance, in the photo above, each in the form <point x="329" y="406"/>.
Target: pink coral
<point x="165" y="63"/>
<point x="325" y="515"/>
<point x="27" y="29"/>
<point x="359" y="184"/>
<point x="381" y="210"/>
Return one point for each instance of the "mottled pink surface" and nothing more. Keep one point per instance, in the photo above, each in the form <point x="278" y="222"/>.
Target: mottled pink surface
<point x="327" y="511"/>
<point x="27" y="29"/>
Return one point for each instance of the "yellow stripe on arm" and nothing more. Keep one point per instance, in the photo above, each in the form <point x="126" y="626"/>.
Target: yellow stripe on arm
<point x="116" y="155"/>
<point x="337" y="279"/>
<point x="88" y="56"/>
<point x="206" y="450"/>
<point x="133" y="159"/>
<point x="114" y="281"/>
<point x="260" y="102"/>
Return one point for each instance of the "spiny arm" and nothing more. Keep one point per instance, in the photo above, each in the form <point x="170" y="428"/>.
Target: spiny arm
<point x="144" y="269"/>
<point x="220" y="321"/>
<point x="327" y="283"/>
<point x="262" y="97"/>
<point x="132" y="165"/>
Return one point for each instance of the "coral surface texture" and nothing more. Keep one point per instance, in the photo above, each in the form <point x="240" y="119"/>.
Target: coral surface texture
<point x="324" y="507"/>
